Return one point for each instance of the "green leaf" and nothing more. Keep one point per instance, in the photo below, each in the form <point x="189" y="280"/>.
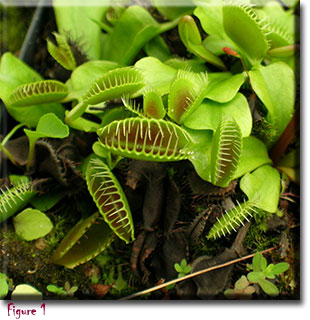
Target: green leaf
<point x="210" y="14"/>
<point x="257" y="262"/>
<point x="51" y="126"/>
<point x="32" y="224"/>
<point x="172" y="12"/>
<point x="26" y="292"/>
<point x="253" y="155"/>
<point x="187" y="269"/>
<point x="146" y="139"/>
<point x="268" y="287"/>
<point x="223" y="86"/>
<point x="194" y="65"/>
<point x="158" y="75"/>
<point x="268" y="271"/>
<point x="132" y="31"/>
<point x="157" y="48"/>
<point x="215" y="44"/>
<point x="263" y="187"/>
<point x="280" y="268"/>
<point x="77" y="20"/>
<point x="183" y="263"/>
<point x="83" y="124"/>
<point x="242" y="283"/>
<point x="190" y="36"/>
<point x="48" y="200"/>
<point x="4" y="287"/>
<point x="53" y="288"/>
<point x="200" y="149"/>
<point x="99" y="150"/>
<point x="209" y="114"/>
<point x="241" y="25"/>
<point x="178" y="268"/>
<point x="13" y="72"/>
<point x="73" y="289"/>
<point x="268" y="83"/>
<point x="255" y="276"/>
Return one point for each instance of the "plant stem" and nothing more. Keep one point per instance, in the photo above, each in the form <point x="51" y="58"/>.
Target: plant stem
<point x="168" y="25"/>
<point x="191" y="275"/>
<point x="7" y="153"/>
<point x="10" y="134"/>
<point x="76" y="112"/>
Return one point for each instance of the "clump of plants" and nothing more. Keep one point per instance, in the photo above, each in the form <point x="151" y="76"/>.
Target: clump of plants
<point x="167" y="157"/>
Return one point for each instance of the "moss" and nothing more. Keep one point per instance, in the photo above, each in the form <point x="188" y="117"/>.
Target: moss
<point x="29" y="262"/>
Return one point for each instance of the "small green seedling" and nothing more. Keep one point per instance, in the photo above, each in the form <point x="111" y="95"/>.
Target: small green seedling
<point x="261" y="271"/>
<point x="243" y="287"/>
<point x="65" y="291"/>
<point x="183" y="268"/>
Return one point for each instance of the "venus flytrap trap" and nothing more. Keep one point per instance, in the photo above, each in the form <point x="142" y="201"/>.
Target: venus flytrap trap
<point x="14" y="199"/>
<point x="114" y="84"/>
<point x="145" y="139"/>
<point x="186" y="93"/>
<point x="83" y="242"/>
<point x="110" y="199"/>
<point x="191" y="38"/>
<point x="61" y="53"/>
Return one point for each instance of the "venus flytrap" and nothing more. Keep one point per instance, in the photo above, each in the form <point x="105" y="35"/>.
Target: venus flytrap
<point x="270" y="30"/>
<point x="191" y="38"/>
<point x="110" y="199"/>
<point x="189" y="113"/>
<point x="14" y="199"/>
<point x="186" y="93"/>
<point x="83" y="242"/>
<point x="114" y="84"/>
<point x="45" y="91"/>
<point x="61" y="53"/>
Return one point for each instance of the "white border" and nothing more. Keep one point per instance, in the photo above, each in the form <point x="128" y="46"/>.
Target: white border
<point x="177" y="310"/>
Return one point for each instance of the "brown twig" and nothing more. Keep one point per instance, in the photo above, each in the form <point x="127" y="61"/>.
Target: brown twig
<point x="200" y="272"/>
